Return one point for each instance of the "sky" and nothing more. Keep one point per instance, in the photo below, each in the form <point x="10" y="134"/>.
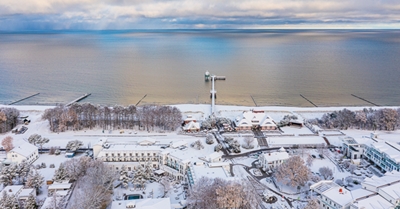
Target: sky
<point x="20" y="15"/>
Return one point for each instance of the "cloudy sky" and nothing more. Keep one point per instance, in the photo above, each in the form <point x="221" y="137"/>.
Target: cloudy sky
<point x="165" y="14"/>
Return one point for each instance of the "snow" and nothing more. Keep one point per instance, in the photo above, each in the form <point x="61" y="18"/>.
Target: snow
<point x="374" y="202"/>
<point x="13" y="189"/>
<point x="25" y="149"/>
<point x="162" y="203"/>
<point x="286" y="141"/>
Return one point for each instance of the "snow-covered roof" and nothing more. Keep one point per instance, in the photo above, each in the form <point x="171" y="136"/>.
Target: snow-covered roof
<point x="214" y="155"/>
<point x="374" y="202"/>
<point x="26" y="192"/>
<point x="57" y="186"/>
<point x="197" y="171"/>
<point x="191" y="125"/>
<point x="392" y="190"/>
<point x="161" y="203"/>
<point x="147" y="141"/>
<point x="275" y="156"/>
<point x="388" y="178"/>
<point x="26" y="149"/>
<point x="361" y="193"/>
<point x="219" y="164"/>
<point x="390" y="149"/>
<point x="12" y="190"/>
<point x="190" y="118"/>
<point x="250" y="118"/>
<point x="178" y="144"/>
<point x="62" y="193"/>
<point x="339" y="195"/>
<point x="47" y="202"/>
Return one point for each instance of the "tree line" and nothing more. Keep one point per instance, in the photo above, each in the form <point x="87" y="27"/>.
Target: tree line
<point x="8" y="119"/>
<point x="367" y="119"/>
<point x="83" y="116"/>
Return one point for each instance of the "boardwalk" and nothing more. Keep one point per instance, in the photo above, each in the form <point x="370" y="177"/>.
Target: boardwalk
<point x="308" y="100"/>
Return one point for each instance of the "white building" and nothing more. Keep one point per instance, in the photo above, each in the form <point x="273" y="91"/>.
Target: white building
<point x="332" y="196"/>
<point x="272" y="160"/>
<point x="255" y="119"/>
<point x="132" y="155"/>
<point x="351" y="148"/>
<point x="385" y="155"/>
<point x="25" y="151"/>
<point x="214" y="157"/>
<point x="200" y="169"/>
<point x="161" y="203"/>
<point x="191" y="126"/>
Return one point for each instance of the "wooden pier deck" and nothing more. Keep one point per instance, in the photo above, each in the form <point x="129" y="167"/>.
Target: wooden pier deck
<point x="79" y="99"/>
<point x="308" y="100"/>
<point x="364" y="100"/>
<point x="23" y="99"/>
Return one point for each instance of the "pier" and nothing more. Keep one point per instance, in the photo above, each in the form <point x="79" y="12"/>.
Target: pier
<point x="23" y="99"/>
<point x="308" y="100"/>
<point x="79" y="99"/>
<point x="213" y="92"/>
<point x="364" y="100"/>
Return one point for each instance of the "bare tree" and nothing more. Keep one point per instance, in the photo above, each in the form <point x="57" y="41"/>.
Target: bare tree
<point x="326" y="172"/>
<point x="74" y="145"/>
<point x="309" y="160"/>
<point x="198" y="145"/>
<point x="219" y="193"/>
<point x="293" y="172"/>
<point x="35" y="180"/>
<point x="312" y="204"/>
<point x="210" y="139"/>
<point x="7" y="143"/>
<point x="248" y="142"/>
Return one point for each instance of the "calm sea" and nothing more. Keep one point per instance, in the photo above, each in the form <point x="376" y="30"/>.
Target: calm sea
<point x="272" y="66"/>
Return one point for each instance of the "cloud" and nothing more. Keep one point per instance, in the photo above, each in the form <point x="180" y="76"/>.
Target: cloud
<point x="131" y="14"/>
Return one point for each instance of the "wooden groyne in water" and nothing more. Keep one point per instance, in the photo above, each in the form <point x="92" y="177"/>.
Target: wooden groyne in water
<point x="141" y="100"/>
<point x="364" y="100"/>
<point x="253" y="100"/>
<point x="79" y="99"/>
<point x="23" y="99"/>
<point x="308" y="100"/>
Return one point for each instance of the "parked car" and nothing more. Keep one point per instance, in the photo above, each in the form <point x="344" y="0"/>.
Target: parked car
<point x="313" y="156"/>
<point x="321" y="156"/>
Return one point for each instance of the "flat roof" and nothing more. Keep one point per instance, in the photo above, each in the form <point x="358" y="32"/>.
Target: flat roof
<point x="161" y="203"/>
<point x="374" y="202"/>
<point x="60" y="186"/>
<point x="342" y="199"/>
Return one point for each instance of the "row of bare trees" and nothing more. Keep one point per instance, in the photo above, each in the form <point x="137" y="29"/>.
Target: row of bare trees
<point x="367" y="119"/>
<point x="82" y="116"/>
<point x="8" y="119"/>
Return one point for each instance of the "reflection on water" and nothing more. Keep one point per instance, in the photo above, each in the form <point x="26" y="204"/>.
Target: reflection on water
<point x="273" y="66"/>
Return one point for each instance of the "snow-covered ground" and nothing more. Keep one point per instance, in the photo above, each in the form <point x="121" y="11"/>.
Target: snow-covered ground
<point x="90" y="137"/>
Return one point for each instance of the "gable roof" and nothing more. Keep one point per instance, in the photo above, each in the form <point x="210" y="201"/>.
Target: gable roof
<point x="25" y="149"/>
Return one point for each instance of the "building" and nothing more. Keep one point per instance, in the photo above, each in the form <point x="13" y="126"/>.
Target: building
<point x="214" y="157"/>
<point x="351" y="148"/>
<point x="161" y="203"/>
<point x="331" y="195"/>
<point x="191" y="126"/>
<point x="385" y="155"/>
<point x="19" y="192"/>
<point x="25" y="151"/>
<point x="200" y="169"/>
<point x="255" y="120"/>
<point x="272" y="160"/>
<point x="132" y="155"/>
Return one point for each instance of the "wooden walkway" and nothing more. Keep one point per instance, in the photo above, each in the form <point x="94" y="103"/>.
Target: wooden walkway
<point x="79" y="99"/>
<point x="23" y="99"/>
